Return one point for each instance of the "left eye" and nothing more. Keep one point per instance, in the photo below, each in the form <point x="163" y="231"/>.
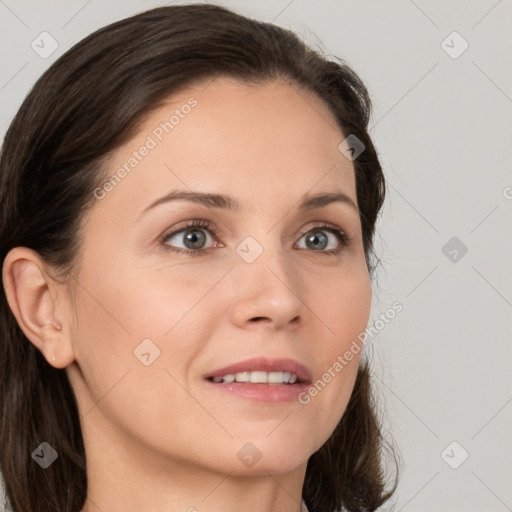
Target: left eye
<point x="316" y="239"/>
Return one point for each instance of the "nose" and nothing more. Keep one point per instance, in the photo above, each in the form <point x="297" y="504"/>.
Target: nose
<point x="267" y="293"/>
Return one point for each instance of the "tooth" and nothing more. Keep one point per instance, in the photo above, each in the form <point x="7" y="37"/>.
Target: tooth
<point x="259" y="377"/>
<point x="243" y="376"/>
<point x="217" y="379"/>
<point x="275" y="377"/>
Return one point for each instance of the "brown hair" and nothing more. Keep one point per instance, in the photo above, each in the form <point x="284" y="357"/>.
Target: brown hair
<point x="85" y="106"/>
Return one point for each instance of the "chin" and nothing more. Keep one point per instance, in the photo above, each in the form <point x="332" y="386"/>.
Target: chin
<point x="275" y="453"/>
<point x="275" y="464"/>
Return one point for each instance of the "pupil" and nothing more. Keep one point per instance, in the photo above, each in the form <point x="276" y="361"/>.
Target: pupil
<point x="315" y="237"/>
<point x="195" y="237"/>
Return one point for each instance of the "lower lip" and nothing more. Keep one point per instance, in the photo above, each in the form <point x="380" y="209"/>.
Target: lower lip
<point x="272" y="393"/>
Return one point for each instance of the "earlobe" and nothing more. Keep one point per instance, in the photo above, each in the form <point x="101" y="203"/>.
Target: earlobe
<point x="32" y="297"/>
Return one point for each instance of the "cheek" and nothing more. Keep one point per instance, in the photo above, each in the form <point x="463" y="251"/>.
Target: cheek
<point x="125" y="315"/>
<point x="129" y="306"/>
<point x="117" y="317"/>
<point x="342" y="302"/>
<point x="345" y="308"/>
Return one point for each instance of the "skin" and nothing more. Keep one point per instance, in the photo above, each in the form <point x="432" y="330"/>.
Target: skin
<point x="158" y="437"/>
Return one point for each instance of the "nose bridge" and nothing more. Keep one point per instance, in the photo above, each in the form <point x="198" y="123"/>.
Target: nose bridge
<point x="266" y="285"/>
<point x="262" y="254"/>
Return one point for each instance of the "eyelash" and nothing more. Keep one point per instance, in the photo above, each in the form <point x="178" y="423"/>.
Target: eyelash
<point x="206" y="225"/>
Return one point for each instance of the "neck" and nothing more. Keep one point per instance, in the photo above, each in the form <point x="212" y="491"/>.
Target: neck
<point x="124" y="477"/>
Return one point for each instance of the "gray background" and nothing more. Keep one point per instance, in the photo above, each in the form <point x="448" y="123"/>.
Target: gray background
<point x="442" y="127"/>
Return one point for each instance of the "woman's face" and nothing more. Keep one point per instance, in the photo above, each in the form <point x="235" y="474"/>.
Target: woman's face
<point x="269" y="291"/>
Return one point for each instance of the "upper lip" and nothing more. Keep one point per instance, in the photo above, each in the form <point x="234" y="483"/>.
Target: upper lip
<point x="263" y="364"/>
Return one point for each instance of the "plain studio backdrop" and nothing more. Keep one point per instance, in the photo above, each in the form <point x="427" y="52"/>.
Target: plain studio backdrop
<point x="440" y="76"/>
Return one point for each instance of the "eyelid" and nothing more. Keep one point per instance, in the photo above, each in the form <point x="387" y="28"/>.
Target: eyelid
<point x="326" y="226"/>
<point x="340" y="233"/>
<point x="192" y="223"/>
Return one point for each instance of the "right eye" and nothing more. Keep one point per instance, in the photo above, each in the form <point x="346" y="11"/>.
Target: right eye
<point x="194" y="238"/>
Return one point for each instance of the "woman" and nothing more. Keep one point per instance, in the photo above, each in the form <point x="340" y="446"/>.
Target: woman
<point x="190" y="198"/>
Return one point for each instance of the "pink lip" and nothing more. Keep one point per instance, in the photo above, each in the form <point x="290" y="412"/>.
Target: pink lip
<point x="263" y="392"/>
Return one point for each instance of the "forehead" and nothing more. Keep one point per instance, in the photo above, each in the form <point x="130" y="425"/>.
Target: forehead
<point x="226" y="136"/>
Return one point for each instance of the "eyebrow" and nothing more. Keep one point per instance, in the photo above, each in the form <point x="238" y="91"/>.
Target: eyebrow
<point x="222" y="201"/>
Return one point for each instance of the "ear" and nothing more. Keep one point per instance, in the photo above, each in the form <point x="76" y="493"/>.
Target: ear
<point x="38" y="303"/>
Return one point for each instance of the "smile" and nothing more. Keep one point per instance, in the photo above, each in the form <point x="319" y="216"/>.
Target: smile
<point x="258" y="377"/>
<point x="262" y="380"/>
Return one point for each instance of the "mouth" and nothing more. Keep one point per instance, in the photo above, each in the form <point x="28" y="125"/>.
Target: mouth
<point x="258" y="377"/>
<point x="261" y="379"/>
